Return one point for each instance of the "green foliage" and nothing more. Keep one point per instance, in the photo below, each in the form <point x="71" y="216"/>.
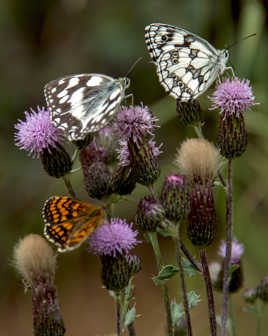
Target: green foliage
<point x="188" y="268"/>
<point x="167" y="272"/>
<point x="130" y="316"/>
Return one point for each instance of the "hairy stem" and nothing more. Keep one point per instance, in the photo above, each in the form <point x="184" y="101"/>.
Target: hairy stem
<point x="260" y="307"/>
<point x="118" y="315"/>
<point x="154" y="241"/>
<point x="183" y="284"/>
<point x="188" y="255"/>
<point x="210" y="296"/>
<point x="231" y="318"/>
<point x="198" y="130"/>
<point x="131" y="330"/>
<point x="69" y="186"/>
<point x="227" y="259"/>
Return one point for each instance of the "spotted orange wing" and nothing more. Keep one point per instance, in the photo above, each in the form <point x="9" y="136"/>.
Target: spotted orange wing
<point x="69" y="222"/>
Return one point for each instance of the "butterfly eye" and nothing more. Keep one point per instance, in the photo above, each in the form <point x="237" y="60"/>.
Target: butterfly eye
<point x="127" y="82"/>
<point x="226" y="53"/>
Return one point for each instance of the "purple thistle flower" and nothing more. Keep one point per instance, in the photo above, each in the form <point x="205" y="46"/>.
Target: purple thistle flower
<point x="136" y="121"/>
<point x="37" y="132"/>
<point x="233" y="96"/>
<point x="111" y="239"/>
<point x="237" y="251"/>
<point x="124" y="155"/>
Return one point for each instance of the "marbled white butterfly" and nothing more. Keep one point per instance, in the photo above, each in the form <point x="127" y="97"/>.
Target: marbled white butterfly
<point x="84" y="103"/>
<point x="186" y="64"/>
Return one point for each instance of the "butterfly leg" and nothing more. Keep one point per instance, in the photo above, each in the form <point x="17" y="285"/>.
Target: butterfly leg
<point x="131" y="96"/>
<point x="231" y="69"/>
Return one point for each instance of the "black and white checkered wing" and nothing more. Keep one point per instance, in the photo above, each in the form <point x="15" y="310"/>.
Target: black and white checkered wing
<point x="84" y="103"/>
<point x="186" y="64"/>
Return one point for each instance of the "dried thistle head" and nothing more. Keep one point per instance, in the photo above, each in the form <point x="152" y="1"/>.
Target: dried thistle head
<point x="34" y="258"/>
<point x="198" y="160"/>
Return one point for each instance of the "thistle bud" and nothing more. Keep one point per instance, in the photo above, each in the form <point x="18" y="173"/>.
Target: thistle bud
<point x="143" y="161"/>
<point x="201" y="226"/>
<point x="232" y="136"/>
<point x="134" y="264"/>
<point x="189" y="113"/>
<point x="56" y="161"/>
<point x="115" y="272"/>
<point x="98" y="180"/>
<point x="262" y="290"/>
<point x="198" y="161"/>
<point x="233" y="97"/>
<point x="123" y="181"/>
<point x="36" y="262"/>
<point x="250" y="295"/>
<point x="112" y="243"/>
<point x="39" y="137"/>
<point x="150" y="215"/>
<point x="236" y="278"/>
<point x="174" y="197"/>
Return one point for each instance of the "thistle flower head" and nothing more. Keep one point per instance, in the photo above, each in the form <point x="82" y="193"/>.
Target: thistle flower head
<point x="198" y="160"/>
<point x="237" y="251"/>
<point x="136" y="122"/>
<point x="37" y="132"/>
<point x="116" y="237"/>
<point x="189" y="113"/>
<point x="250" y="295"/>
<point x="233" y="96"/>
<point x="174" y="198"/>
<point x="202" y="217"/>
<point x="34" y="258"/>
<point x="150" y="214"/>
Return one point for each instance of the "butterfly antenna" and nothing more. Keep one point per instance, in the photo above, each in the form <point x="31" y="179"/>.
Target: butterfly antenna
<point x="133" y="66"/>
<point x="242" y="39"/>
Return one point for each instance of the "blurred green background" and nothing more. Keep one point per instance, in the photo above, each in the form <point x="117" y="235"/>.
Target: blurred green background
<point x="45" y="39"/>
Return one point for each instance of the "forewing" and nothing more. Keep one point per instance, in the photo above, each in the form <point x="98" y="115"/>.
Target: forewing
<point x="186" y="64"/>
<point x="69" y="222"/>
<point x="160" y="38"/>
<point x="81" y="104"/>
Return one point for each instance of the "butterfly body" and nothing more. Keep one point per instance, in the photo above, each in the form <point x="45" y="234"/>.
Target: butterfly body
<point x="69" y="222"/>
<point x="187" y="64"/>
<point x="84" y="103"/>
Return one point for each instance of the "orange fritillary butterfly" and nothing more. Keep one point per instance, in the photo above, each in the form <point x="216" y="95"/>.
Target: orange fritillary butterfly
<point x="69" y="222"/>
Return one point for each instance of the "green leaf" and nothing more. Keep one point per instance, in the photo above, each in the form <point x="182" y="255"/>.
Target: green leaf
<point x="176" y="312"/>
<point x="250" y="309"/>
<point x="166" y="273"/>
<point x="232" y="269"/>
<point x="188" y="268"/>
<point x="164" y="233"/>
<point x="193" y="299"/>
<point x="130" y="316"/>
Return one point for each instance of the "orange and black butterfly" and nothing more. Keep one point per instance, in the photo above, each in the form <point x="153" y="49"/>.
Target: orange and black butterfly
<point x="69" y="222"/>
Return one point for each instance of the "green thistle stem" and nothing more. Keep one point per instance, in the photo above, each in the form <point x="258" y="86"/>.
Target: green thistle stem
<point x="188" y="255"/>
<point x="152" y="236"/>
<point x="118" y="314"/>
<point x="227" y="259"/>
<point x="231" y="317"/>
<point x="183" y="283"/>
<point x="68" y="185"/>
<point x="75" y="154"/>
<point x="260" y="308"/>
<point x="131" y="330"/>
<point x="198" y="130"/>
<point x="210" y="296"/>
